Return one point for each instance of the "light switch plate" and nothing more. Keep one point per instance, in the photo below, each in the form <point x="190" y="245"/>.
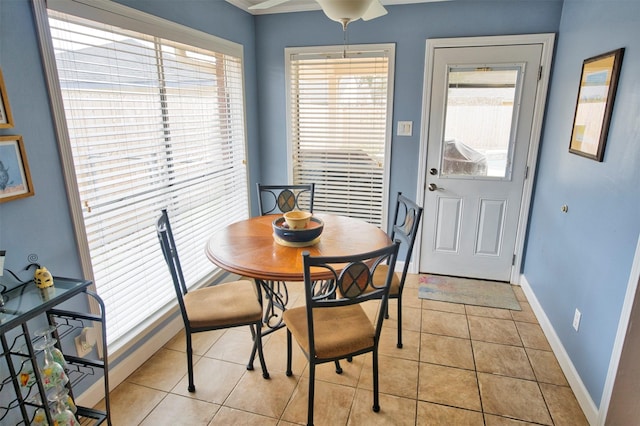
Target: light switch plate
<point x="576" y="319"/>
<point x="405" y="128"/>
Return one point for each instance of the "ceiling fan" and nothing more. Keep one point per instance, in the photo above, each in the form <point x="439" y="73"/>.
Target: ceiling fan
<point x="342" y="11"/>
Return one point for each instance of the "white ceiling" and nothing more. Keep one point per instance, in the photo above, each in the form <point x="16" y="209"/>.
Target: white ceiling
<point x="302" y="5"/>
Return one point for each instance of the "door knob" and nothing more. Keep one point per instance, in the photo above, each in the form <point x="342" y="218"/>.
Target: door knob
<point x="432" y="187"/>
<point x="433" y="171"/>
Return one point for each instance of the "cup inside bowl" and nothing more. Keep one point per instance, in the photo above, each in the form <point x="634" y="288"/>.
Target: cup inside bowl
<point x="297" y="219"/>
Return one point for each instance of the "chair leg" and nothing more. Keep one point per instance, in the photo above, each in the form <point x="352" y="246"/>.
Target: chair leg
<point x="376" y="399"/>
<point x="269" y="311"/>
<point x="338" y="368"/>
<point x="288" y="372"/>
<point x="399" y="344"/>
<point x="253" y="349"/>
<point x="191" y="387"/>
<point x="258" y="340"/>
<point x="312" y="380"/>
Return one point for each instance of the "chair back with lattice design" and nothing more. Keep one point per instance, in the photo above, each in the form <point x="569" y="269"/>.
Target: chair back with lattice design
<point x="273" y="199"/>
<point x="406" y="222"/>
<point x="351" y="283"/>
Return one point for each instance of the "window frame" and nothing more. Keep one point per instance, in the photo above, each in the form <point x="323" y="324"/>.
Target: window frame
<point x="129" y="18"/>
<point x="341" y="50"/>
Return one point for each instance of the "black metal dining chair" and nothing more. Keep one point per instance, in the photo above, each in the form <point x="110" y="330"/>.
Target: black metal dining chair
<point x="274" y="199"/>
<point x="406" y="222"/>
<point x="231" y="304"/>
<point x="333" y="325"/>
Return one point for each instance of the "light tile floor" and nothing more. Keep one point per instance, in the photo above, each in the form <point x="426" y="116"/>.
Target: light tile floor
<point x="460" y="365"/>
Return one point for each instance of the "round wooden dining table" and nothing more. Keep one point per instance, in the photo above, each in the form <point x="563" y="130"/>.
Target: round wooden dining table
<point x="248" y="248"/>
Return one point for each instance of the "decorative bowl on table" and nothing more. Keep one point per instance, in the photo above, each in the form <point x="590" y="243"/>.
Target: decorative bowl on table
<point x="307" y="236"/>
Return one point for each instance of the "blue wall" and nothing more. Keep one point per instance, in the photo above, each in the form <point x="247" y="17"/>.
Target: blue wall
<point x="42" y="224"/>
<point x="408" y="26"/>
<point x="582" y="259"/>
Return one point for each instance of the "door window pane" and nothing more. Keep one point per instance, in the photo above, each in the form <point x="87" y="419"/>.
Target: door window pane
<point x="479" y="117"/>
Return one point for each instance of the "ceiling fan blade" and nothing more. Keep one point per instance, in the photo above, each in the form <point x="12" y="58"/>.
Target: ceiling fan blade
<point x="375" y="10"/>
<point x="267" y="4"/>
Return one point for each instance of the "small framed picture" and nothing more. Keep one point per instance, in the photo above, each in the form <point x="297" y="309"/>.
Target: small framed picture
<point x="596" y="94"/>
<point x="15" y="179"/>
<point x="6" y="119"/>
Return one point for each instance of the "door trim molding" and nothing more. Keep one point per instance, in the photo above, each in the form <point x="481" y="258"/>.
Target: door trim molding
<point x="547" y="41"/>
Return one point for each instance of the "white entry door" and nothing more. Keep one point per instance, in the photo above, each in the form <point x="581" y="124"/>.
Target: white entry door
<point x="481" y="112"/>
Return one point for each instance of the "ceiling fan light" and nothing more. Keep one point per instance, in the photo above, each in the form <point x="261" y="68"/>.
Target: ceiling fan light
<point x="344" y="11"/>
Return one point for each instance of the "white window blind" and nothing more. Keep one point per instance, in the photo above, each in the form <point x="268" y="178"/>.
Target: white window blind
<point x="153" y="123"/>
<point x="339" y="114"/>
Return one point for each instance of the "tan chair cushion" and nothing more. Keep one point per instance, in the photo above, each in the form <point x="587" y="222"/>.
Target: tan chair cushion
<point x="338" y="331"/>
<point x="380" y="275"/>
<point x="223" y="304"/>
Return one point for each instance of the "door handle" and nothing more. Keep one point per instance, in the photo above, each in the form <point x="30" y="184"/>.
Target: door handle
<point x="434" y="187"/>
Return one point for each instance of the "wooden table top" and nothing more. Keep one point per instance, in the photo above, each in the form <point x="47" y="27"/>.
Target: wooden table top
<point x="247" y="247"/>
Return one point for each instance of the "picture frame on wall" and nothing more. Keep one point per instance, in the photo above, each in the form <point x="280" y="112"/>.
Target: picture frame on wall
<point x="597" y="91"/>
<point x="6" y="119"/>
<point x="15" y="178"/>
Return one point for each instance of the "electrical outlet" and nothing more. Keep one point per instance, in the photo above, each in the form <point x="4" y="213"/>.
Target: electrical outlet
<point x="82" y="347"/>
<point x="576" y="319"/>
<point x="85" y="341"/>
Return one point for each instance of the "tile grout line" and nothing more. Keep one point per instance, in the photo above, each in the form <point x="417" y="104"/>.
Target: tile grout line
<point x="546" y="404"/>
<point x="475" y="366"/>
<point x="469" y="313"/>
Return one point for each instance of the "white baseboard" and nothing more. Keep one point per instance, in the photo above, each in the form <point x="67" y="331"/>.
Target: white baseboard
<point x="123" y="369"/>
<point x="579" y="389"/>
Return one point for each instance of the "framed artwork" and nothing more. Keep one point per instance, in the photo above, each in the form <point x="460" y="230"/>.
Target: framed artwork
<point x="15" y="180"/>
<point x="6" y="120"/>
<point x="596" y="94"/>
